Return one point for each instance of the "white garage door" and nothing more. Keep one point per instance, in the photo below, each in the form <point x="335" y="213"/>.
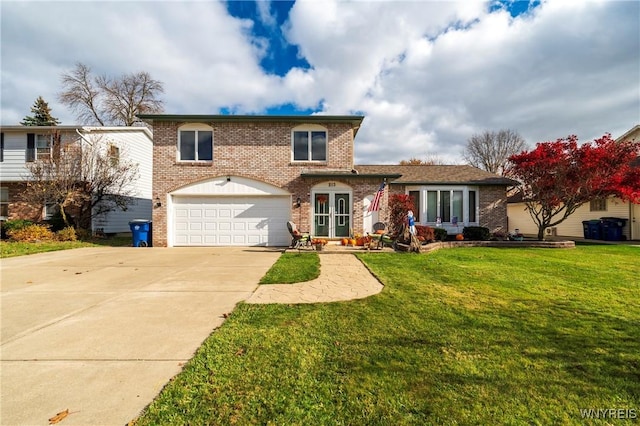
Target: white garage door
<point x="231" y="221"/>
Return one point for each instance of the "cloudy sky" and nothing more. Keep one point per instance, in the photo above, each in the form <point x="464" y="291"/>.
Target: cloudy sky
<point x="426" y="74"/>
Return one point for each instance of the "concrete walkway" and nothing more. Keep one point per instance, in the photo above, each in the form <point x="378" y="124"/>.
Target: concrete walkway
<point x="342" y="277"/>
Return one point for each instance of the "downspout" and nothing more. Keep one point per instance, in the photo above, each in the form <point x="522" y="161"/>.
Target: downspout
<point x="83" y="138"/>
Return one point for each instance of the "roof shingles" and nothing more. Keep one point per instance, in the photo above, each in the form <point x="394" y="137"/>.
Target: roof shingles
<point x="437" y="174"/>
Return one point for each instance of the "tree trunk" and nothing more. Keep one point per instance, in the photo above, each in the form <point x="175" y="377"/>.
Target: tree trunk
<point x="541" y="232"/>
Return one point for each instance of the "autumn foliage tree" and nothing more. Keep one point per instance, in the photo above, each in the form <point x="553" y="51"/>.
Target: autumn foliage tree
<point x="399" y="205"/>
<point x="558" y="177"/>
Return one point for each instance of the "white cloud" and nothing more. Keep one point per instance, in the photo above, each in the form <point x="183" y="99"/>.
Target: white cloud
<point x="427" y="75"/>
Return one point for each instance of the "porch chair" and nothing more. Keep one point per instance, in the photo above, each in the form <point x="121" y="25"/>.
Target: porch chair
<point x="298" y="239"/>
<point x="375" y="238"/>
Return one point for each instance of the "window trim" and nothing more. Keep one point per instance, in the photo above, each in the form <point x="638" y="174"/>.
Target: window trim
<point x="4" y="202"/>
<point x="42" y="153"/>
<point x="598" y="205"/>
<point x="46" y="213"/>
<point x="310" y="129"/>
<point x="114" y="155"/>
<point x="439" y="189"/>
<point x="194" y="127"/>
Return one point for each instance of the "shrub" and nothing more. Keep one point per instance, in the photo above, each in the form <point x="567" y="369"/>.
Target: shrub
<point x="31" y="233"/>
<point x="476" y="233"/>
<point x="440" y="234"/>
<point x="399" y="206"/>
<point x="67" y="234"/>
<point x="83" y="234"/>
<point x="425" y="233"/>
<point x="13" y="224"/>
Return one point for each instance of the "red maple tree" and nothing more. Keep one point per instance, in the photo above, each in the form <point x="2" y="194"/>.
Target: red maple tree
<point x="558" y="177"/>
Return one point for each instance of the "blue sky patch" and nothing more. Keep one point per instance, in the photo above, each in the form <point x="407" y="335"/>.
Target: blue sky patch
<point x="280" y="56"/>
<point x="514" y="7"/>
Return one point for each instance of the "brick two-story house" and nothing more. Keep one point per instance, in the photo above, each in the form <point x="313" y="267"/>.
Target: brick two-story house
<point x="237" y="180"/>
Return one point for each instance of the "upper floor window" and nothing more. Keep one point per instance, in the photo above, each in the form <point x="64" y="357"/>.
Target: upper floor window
<point x="38" y="147"/>
<point x="114" y="155"/>
<point x="309" y="143"/>
<point x="195" y="143"/>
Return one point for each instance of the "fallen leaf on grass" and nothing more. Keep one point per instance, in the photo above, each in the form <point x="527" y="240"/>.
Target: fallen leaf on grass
<point x="59" y="417"/>
<point x="240" y="352"/>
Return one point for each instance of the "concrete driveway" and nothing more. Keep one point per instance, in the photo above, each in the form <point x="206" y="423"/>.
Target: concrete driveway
<point x="100" y="331"/>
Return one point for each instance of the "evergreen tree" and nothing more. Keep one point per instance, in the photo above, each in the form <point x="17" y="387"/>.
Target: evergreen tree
<point x="41" y="115"/>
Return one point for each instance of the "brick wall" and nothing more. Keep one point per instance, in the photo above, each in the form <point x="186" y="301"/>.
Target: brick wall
<point x="493" y="207"/>
<point x="18" y="208"/>
<point x="260" y="151"/>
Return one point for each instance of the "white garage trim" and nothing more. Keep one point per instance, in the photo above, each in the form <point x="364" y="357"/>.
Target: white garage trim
<point x="228" y="211"/>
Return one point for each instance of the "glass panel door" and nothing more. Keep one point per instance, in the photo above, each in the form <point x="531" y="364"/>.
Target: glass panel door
<point x="331" y="214"/>
<point x="321" y="215"/>
<point x="342" y="208"/>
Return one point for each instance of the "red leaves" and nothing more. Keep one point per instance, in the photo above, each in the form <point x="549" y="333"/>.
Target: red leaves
<point x="558" y="177"/>
<point x="555" y="172"/>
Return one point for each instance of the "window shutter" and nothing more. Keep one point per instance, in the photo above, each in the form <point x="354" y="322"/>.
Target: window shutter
<point x="1" y="147"/>
<point x="31" y="147"/>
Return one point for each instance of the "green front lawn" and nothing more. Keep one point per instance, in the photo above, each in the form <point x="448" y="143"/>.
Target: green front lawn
<point x="459" y="336"/>
<point x="12" y="248"/>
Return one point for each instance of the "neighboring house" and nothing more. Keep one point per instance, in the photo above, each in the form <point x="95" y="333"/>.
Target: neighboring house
<point x="237" y="180"/>
<point x="20" y="145"/>
<point x="519" y="217"/>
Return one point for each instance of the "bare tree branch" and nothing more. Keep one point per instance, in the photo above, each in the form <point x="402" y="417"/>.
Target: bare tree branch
<point x="106" y="100"/>
<point x="83" y="180"/>
<point x="81" y="95"/>
<point x="491" y="150"/>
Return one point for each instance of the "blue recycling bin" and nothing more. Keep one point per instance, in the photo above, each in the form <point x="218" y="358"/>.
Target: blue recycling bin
<point x="612" y="228"/>
<point x="141" y="232"/>
<point x="592" y="229"/>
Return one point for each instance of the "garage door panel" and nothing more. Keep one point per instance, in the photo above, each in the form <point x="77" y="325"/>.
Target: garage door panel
<point x="243" y="221"/>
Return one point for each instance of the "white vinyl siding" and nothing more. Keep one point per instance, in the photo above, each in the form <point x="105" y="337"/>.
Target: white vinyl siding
<point x="572" y="226"/>
<point x="136" y="146"/>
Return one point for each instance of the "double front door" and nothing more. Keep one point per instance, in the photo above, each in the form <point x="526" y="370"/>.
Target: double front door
<point x="331" y="214"/>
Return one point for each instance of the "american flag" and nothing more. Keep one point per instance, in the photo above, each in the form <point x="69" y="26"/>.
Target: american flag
<point x="375" y="204"/>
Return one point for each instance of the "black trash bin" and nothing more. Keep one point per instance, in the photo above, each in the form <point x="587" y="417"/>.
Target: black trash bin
<point x="592" y="229"/>
<point x="612" y="228"/>
<point x="141" y="232"/>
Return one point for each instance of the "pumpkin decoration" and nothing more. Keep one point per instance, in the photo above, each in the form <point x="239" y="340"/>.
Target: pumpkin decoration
<point x="353" y="242"/>
<point x="345" y="241"/>
<point x="459" y="237"/>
